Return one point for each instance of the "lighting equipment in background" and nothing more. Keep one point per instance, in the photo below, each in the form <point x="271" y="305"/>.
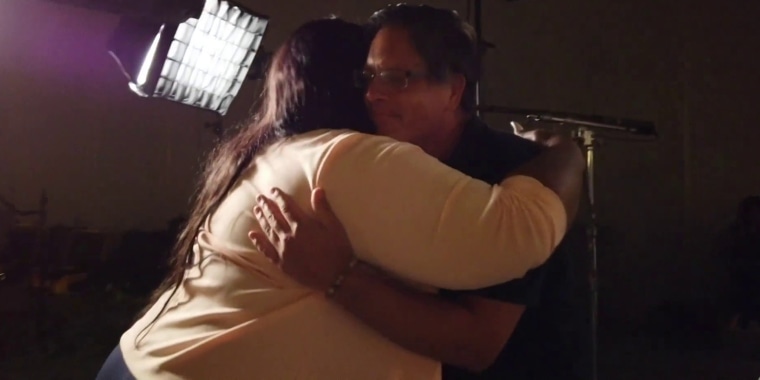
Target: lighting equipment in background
<point x="586" y="129"/>
<point x="196" y="55"/>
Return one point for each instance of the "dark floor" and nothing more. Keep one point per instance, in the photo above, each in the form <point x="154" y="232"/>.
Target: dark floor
<point x="625" y="357"/>
<point x="78" y="331"/>
<point x="67" y="339"/>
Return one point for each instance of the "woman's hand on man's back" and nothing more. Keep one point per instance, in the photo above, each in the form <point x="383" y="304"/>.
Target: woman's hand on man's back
<point x="313" y="248"/>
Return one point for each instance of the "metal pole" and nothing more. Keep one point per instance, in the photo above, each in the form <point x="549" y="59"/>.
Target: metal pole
<point x="479" y="42"/>
<point x="587" y="140"/>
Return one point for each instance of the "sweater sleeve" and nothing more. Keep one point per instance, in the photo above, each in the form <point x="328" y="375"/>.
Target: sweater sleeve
<point x="408" y="213"/>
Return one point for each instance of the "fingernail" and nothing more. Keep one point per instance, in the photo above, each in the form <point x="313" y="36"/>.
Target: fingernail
<point x="274" y="191"/>
<point x="260" y="198"/>
<point x="257" y="210"/>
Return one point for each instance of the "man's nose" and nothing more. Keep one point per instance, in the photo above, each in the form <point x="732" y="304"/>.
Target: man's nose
<point x="374" y="93"/>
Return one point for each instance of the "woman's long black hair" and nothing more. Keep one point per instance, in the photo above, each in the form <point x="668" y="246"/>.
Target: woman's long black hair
<point x="310" y="84"/>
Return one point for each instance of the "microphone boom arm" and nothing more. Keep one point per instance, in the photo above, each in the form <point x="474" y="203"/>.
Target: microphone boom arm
<point x="637" y="127"/>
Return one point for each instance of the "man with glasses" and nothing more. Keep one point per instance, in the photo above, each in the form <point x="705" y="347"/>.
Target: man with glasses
<point x="420" y="79"/>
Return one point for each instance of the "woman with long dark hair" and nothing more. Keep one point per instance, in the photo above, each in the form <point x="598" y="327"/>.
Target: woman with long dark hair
<point x="228" y="312"/>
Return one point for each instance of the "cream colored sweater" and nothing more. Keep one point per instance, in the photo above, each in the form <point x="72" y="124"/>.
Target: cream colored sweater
<point x="237" y="316"/>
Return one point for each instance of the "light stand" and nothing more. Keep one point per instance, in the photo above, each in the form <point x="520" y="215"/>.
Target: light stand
<point x="587" y="141"/>
<point x="584" y="128"/>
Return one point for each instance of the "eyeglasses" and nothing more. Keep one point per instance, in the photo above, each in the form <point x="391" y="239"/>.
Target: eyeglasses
<point x="388" y="79"/>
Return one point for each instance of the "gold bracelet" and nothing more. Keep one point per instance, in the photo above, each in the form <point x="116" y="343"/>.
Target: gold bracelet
<point x="341" y="277"/>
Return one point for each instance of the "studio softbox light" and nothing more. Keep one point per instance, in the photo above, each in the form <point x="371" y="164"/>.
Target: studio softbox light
<point x="201" y="61"/>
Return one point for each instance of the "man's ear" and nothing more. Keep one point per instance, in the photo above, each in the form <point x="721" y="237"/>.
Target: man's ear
<point x="457" y="83"/>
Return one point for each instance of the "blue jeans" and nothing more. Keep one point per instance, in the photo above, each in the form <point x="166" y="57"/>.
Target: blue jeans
<point x="115" y="368"/>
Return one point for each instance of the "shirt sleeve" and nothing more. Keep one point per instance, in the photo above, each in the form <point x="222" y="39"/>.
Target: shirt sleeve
<point x="524" y="291"/>
<point x="415" y="217"/>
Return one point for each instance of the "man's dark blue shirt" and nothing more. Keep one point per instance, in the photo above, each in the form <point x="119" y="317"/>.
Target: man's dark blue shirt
<point x="544" y="343"/>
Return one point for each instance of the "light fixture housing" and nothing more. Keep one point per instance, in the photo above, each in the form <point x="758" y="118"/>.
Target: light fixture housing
<point x="201" y="60"/>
